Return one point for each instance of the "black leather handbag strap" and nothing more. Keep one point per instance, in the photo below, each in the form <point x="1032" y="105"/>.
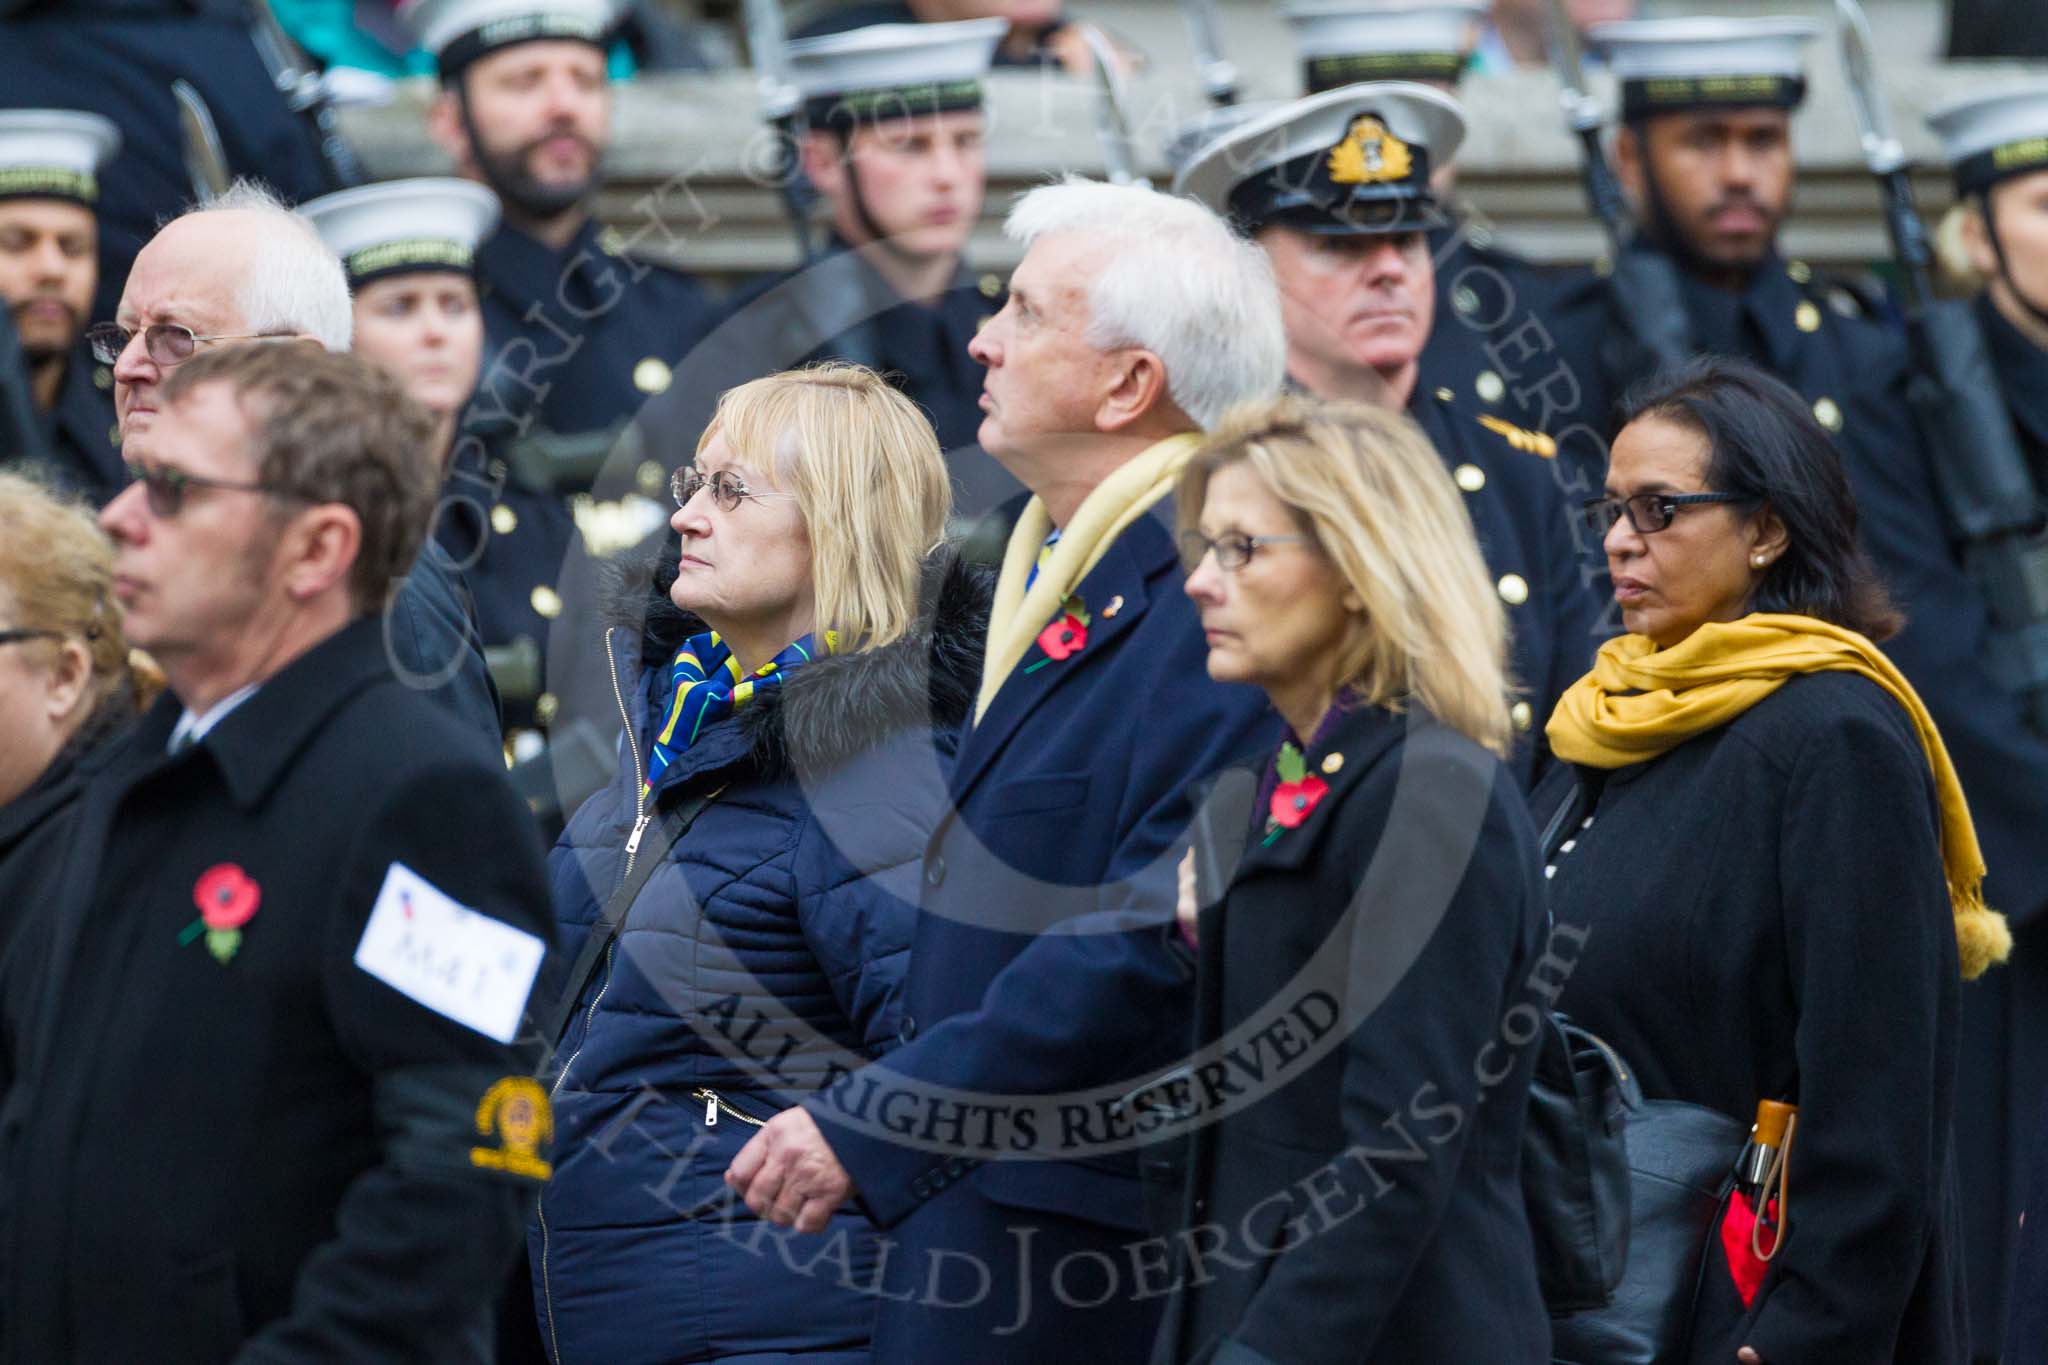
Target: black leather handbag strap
<point x="667" y="828"/>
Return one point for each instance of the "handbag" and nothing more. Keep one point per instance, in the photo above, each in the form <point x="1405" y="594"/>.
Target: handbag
<point x="1575" y="1171"/>
<point x="1681" y="1166"/>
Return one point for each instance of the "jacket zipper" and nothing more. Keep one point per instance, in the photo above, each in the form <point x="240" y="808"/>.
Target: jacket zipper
<point x="641" y="814"/>
<point x="716" y="1104"/>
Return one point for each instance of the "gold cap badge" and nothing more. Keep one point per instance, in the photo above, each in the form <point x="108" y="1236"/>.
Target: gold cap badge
<point x="1370" y="155"/>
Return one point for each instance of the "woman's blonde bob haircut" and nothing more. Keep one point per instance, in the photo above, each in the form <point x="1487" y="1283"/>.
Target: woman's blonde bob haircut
<point x="869" y="479"/>
<point x="1368" y="486"/>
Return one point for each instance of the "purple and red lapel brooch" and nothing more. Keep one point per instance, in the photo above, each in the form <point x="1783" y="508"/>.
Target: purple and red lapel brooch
<point x="227" y="898"/>
<point x="1066" y="636"/>
<point x="1295" y="797"/>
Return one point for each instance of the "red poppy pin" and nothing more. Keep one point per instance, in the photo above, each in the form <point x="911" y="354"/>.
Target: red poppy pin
<point x="1296" y="796"/>
<point x="1066" y="636"/>
<point x="227" y="897"/>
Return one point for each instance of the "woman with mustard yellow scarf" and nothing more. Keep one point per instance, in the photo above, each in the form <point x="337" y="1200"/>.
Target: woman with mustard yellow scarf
<point x="1773" y="868"/>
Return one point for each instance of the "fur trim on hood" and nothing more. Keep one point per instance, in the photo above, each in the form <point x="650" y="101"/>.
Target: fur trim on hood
<point x="842" y="704"/>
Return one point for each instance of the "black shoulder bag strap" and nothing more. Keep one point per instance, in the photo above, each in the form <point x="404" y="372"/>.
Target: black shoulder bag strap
<point x="668" y="828"/>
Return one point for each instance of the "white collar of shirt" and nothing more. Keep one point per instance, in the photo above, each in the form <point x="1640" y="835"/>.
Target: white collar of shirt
<point x="195" y="725"/>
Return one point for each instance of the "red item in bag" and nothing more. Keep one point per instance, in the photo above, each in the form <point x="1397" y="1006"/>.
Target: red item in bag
<point x="1745" y="1267"/>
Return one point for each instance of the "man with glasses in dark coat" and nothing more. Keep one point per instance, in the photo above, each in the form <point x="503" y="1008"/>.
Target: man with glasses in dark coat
<point x="262" y="1098"/>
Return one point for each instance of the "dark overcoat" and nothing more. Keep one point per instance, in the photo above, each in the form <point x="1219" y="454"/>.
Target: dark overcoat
<point x="1763" y="915"/>
<point x="1069" y="803"/>
<point x="1354" y="1188"/>
<point x="765" y="954"/>
<point x="1851" y="365"/>
<point x="274" y="1156"/>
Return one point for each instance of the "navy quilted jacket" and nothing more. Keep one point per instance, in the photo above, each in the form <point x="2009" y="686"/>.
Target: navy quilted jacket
<point x="765" y="954"/>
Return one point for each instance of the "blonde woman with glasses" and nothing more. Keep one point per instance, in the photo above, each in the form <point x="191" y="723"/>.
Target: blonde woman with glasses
<point x="787" y="708"/>
<point x="1357" y="962"/>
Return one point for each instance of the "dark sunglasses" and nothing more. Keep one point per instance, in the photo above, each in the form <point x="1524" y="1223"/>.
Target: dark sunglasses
<point x="166" y="342"/>
<point x="166" y="488"/>
<point x="1233" y="551"/>
<point x="1648" y="513"/>
<point x="727" y="488"/>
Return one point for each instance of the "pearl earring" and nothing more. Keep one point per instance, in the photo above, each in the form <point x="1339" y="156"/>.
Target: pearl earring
<point x="1757" y="561"/>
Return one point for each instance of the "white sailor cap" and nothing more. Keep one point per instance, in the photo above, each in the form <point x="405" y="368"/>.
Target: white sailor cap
<point x="431" y="223"/>
<point x="885" y="71"/>
<point x="1342" y="42"/>
<point x="1987" y="138"/>
<point x="457" y="32"/>
<point x="1345" y="162"/>
<point x="1670" y="66"/>
<point x="54" y="154"/>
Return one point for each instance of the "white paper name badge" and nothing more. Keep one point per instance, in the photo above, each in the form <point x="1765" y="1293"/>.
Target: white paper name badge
<point x="474" y="969"/>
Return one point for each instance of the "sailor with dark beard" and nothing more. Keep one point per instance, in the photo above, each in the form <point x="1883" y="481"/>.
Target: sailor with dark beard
<point x="580" y="326"/>
<point x="49" y="232"/>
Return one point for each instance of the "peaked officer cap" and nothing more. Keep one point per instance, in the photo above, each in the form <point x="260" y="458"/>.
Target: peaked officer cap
<point x="54" y="154"/>
<point x="1668" y="66"/>
<point x="404" y="225"/>
<point x="1342" y="42"/>
<point x="1345" y="162"/>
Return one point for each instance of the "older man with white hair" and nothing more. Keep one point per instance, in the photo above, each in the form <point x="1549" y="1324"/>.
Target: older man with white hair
<point x="1045" y="973"/>
<point x="245" y="269"/>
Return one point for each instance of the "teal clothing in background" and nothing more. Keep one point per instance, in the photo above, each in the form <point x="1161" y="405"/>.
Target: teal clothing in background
<point x="327" y="30"/>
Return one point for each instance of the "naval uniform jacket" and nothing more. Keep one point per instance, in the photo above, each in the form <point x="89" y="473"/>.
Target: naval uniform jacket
<point x="576" y="340"/>
<point x="277" y="1157"/>
<point x="1353" y="986"/>
<point x="1070" y="799"/>
<point x="79" y="430"/>
<point x="920" y="347"/>
<point x="1530" y="540"/>
<point x="1761" y="914"/>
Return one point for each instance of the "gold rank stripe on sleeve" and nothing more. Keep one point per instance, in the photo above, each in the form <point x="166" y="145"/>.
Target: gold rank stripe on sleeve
<point x="1535" y="442"/>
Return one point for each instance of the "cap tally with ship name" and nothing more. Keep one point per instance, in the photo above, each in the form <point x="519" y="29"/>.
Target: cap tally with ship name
<point x="884" y="71"/>
<point x="54" y="154"/>
<point x="1668" y="66"/>
<point x="1992" y="137"/>
<point x="458" y="32"/>
<point x="1343" y="42"/>
<point x="432" y="223"/>
<point x="1351" y="161"/>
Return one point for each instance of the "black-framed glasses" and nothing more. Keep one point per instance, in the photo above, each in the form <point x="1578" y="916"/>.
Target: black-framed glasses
<point x="20" y="633"/>
<point x="1233" y="550"/>
<point x="166" y="342"/>
<point x="166" y="488"/>
<point x="727" y="488"/>
<point x="1648" y="513"/>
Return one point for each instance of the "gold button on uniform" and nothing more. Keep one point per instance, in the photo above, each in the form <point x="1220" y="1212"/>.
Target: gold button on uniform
<point x="545" y="706"/>
<point x="611" y="242"/>
<point x="1470" y="477"/>
<point x="1444" y="395"/>
<point x="1799" y="271"/>
<point x="546" y="601"/>
<point x="114" y="434"/>
<point x="1827" y="413"/>
<point x="1489" y="386"/>
<point x="1333" y="763"/>
<point x="1806" y="317"/>
<point x="651" y="478"/>
<point x="1464" y="299"/>
<point x="504" y="520"/>
<point x="1522" y="714"/>
<point x="1513" y="589"/>
<point x="651" y="375"/>
<point x="989" y="285"/>
<point x="102" y="377"/>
